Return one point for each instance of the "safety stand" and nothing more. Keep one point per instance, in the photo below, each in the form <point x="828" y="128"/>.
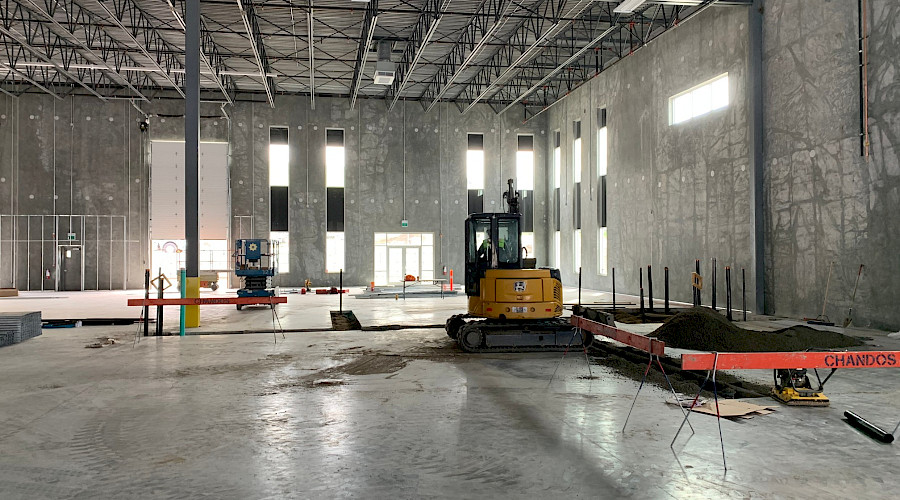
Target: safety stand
<point x="668" y="381"/>
<point x="275" y="319"/>
<point x="694" y="403"/>
<point x="587" y="359"/>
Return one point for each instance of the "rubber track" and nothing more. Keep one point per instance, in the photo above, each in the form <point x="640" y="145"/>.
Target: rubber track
<point x="557" y="325"/>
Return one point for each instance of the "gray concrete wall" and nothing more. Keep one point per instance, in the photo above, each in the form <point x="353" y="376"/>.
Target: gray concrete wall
<point x="102" y="167"/>
<point x="385" y="180"/>
<point x="675" y="193"/>
<point x="75" y="156"/>
<point x="827" y="203"/>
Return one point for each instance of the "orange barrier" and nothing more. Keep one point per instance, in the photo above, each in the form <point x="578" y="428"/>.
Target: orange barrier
<point x="790" y="360"/>
<point x="646" y="344"/>
<point x="207" y="301"/>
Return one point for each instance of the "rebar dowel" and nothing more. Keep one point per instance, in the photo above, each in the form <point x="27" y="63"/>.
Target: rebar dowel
<point x="650" y="287"/>
<point x="146" y="307"/>
<point x="699" y="298"/>
<point x="614" y="288"/>
<point x="714" y="285"/>
<point x="744" y="292"/>
<point x="728" y="293"/>
<point x="641" y="287"/>
<point x="666" y="288"/>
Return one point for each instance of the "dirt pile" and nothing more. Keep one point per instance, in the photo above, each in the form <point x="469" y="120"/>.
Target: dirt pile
<point x="703" y="329"/>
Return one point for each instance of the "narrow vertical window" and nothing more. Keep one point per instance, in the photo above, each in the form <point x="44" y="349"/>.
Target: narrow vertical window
<point x="525" y="185"/>
<point x="334" y="209"/>
<point x="475" y="172"/>
<point x="557" y="176"/>
<point x="279" y="181"/>
<point x="602" y="165"/>
<point x="576" y="195"/>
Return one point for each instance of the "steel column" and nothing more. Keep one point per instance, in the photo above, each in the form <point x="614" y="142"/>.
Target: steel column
<point x="757" y="162"/>
<point x="191" y="134"/>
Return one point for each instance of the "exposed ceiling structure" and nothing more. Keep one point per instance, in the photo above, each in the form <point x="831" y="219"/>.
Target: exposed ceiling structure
<point x="509" y="54"/>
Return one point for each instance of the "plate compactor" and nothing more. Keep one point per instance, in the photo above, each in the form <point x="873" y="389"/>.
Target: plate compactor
<point x="793" y="388"/>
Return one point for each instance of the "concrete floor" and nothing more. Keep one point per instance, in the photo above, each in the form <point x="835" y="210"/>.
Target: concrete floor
<point x="397" y="414"/>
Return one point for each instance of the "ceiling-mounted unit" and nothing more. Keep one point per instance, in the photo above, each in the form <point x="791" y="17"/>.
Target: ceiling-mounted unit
<point x="384" y="67"/>
<point x="628" y="6"/>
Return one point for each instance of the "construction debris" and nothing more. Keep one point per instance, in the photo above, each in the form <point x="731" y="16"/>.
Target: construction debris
<point x="727" y="408"/>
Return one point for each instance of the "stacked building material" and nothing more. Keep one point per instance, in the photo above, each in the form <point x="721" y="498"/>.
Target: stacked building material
<point x="18" y="327"/>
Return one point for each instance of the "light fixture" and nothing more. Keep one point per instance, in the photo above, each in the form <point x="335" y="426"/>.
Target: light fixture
<point x="628" y="6"/>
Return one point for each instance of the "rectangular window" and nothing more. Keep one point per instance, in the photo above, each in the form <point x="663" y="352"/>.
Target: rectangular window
<point x="556" y="249"/>
<point x="282" y="240"/>
<point x="525" y="184"/>
<point x="334" y="251"/>
<point x="576" y="152"/>
<point x="576" y="173"/>
<point x="528" y="243"/>
<point x="335" y="159"/>
<point x="699" y="100"/>
<point x="602" y="165"/>
<point x="475" y="172"/>
<point x="525" y="163"/>
<point x="279" y="182"/>
<point x="602" y="257"/>
<point x="557" y="168"/>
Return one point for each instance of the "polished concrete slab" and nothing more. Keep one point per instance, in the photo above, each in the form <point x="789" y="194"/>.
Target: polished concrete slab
<point x="399" y="414"/>
<point x="394" y="414"/>
<point x="300" y="312"/>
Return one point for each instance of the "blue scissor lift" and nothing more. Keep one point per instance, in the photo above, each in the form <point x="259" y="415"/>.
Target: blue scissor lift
<point x="255" y="263"/>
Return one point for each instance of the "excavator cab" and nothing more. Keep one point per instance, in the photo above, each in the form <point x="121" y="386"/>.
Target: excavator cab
<point x="492" y="242"/>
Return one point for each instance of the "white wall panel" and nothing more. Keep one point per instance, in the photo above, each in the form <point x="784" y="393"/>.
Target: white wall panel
<point x="167" y="190"/>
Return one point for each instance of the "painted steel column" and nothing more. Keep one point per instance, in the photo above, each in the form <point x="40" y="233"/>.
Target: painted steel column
<point x="757" y="161"/>
<point x="191" y="155"/>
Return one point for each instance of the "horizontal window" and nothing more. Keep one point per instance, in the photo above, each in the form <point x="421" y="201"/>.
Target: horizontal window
<point x="699" y="100"/>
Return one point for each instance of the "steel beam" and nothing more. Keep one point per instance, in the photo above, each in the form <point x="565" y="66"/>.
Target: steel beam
<point x="362" y="53"/>
<point x="80" y="20"/>
<point x="526" y="42"/>
<point x="33" y="34"/>
<point x="421" y="35"/>
<point x="573" y="64"/>
<point x="251" y="25"/>
<point x="480" y="28"/>
<point x="210" y="54"/>
<point x="154" y="47"/>
<point x="30" y="79"/>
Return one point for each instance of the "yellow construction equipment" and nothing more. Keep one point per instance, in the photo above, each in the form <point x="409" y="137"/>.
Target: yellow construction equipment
<point x="513" y="307"/>
<point x="793" y="388"/>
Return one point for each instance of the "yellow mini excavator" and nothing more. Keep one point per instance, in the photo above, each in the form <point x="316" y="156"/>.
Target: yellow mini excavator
<point x="513" y="307"/>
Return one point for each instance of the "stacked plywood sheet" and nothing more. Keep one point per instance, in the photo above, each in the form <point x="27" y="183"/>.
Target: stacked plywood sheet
<point x="18" y="327"/>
